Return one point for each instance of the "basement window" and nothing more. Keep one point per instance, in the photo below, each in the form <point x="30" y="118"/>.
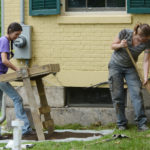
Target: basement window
<point x="89" y="97"/>
<point x="95" y="5"/>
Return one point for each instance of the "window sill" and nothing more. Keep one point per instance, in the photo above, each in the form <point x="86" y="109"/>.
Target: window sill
<point x="89" y="18"/>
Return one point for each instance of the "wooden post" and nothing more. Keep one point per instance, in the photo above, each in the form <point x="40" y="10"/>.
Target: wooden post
<point x="44" y="109"/>
<point x="35" y="73"/>
<point x="33" y="105"/>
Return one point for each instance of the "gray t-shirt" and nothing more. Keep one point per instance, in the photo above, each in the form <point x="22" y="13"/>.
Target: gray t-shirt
<point x="121" y="57"/>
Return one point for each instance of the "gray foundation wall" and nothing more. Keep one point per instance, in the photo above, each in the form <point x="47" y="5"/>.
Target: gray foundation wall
<point x="69" y="115"/>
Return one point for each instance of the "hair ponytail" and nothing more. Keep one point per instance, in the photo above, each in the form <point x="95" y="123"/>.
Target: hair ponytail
<point x="136" y="28"/>
<point x="11" y="49"/>
<point x="142" y="29"/>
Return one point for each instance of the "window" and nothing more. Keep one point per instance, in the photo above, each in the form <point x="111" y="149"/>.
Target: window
<point x="94" y="5"/>
<point x="44" y="7"/>
<point x="89" y="97"/>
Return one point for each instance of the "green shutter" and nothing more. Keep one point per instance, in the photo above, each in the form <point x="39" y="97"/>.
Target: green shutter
<point x="44" y="7"/>
<point x="138" y="6"/>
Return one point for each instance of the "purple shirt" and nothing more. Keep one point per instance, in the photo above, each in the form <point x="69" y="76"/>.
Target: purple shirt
<point x="4" y="47"/>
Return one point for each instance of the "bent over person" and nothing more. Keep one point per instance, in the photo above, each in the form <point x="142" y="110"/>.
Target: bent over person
<point x="13" y="31"/>
<point x="121" y="67"/>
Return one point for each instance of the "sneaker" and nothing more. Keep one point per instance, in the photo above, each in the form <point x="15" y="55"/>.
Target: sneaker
<point x="122" y="127"/>
<point x="144" y="127"/>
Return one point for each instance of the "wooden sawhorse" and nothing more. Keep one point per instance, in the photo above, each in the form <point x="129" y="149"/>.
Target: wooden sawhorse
<point x="36" y="73"/>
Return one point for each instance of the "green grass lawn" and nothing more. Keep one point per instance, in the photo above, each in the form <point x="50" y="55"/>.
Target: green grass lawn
<point x="137" y="140"/>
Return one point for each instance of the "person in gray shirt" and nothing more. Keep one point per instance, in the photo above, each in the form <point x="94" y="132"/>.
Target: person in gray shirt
<point x="121" y="67"/>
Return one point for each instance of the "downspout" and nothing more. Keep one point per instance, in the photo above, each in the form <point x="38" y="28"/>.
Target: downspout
<point x="3" y="107"/>
<point x="2" y="17"/>
<point x="22" y="14"/>
<point x="3" y="110"/>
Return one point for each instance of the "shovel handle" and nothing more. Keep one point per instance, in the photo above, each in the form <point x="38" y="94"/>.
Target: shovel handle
<point x="133" y="61"/>
<point x="147" y="86"/>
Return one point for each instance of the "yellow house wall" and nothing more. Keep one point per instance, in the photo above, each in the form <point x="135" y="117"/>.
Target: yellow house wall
<point x="79" y="42"/>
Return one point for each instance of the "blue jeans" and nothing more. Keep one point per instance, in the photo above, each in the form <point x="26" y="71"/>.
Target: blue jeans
<point x="18" y="104"/>
<point x="117" y="74"/>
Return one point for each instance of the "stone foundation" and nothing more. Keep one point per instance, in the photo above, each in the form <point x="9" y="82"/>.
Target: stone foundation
<point x="69" y="115"/>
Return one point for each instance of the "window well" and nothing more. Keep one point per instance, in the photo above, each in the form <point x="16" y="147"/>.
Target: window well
<point x="89" y="97"/>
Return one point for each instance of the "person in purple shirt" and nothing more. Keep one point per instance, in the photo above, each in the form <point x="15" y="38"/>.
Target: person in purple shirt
<point x="13" y="31"/>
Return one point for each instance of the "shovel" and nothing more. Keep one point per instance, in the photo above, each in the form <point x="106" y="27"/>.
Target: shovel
<point x="147" y="86"/>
